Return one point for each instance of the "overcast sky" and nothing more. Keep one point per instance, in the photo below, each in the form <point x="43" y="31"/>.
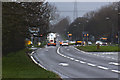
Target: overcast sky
<point x="82" y="0"/>
<point x="67" y="8"/>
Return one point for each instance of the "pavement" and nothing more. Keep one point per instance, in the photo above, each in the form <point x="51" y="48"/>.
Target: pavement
<point x="69" y="62"/>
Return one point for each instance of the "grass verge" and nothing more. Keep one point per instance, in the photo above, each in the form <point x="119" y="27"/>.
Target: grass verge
<point x="19" y="65"/>
<point x="102" y="48"/>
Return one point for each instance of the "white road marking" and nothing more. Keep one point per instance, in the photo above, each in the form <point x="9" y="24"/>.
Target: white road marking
<point x="72" y="58"/>
<point x="109" y="53"/>
<point x="32" y="53"/>
<point x="37" y="63"/>
<point x="67" y="57"/>
<point x="82" y="62"/>
<point x="76" y="60"/>
<point x="117" y="64"/>
<point x="99" y="54"/>
<point x="115" y="71"/>
<point x="64" y="56"/>
<point x="95" y="54"/>
<point x="63" y="64"/>
<point x="33" y="60"/>
<point x="101" y="67"/>
<point x="91" y="64"/>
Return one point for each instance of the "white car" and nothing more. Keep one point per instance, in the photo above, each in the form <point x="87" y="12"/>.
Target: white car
<point x="101" y="43"/>
<point x="71" y="41"/>
<point x="89" y="43"/>
<point x="64" y="43"/>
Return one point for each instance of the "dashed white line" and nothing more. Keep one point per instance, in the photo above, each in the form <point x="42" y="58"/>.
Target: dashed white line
<point x="115" y="71"/>
<point x="91" y="64"/>
<point x="95" y="54"/>
<point x="72" y="58"/>
<point x="76" y="60"/>
<point x="101" y="67"/>
<point x="117" y="64"/>
<point x="64" y="56"/>
<point x="82" y="62"/>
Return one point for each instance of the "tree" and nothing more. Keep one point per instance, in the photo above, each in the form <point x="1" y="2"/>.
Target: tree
<point x="18" y="17"/>
<point x="101" y="23"/>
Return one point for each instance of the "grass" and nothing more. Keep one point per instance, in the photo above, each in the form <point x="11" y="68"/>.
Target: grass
<point x="19" y="65"/>
<point x="102" y="48"/>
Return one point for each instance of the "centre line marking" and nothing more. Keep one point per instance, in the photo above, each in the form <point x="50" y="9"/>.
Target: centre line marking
<point x="72" y="58"/>
<point x="76" y="60"/>
<point x="117" y="64"/>
<point x="101" y="67"/>
<point x="82" y="62"/>
<point x="91" y="64"/>
<point x="115" y="71"/>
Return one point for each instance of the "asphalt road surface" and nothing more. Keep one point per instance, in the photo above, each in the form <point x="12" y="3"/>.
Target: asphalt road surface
<point x="69" y="62"/>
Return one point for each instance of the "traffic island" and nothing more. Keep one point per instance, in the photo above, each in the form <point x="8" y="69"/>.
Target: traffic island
<point x="99" y="48"/>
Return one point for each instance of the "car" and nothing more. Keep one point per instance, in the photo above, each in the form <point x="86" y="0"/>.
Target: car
<point x="101" y="43"/>
<point x="60" y="43"/>
<point x="64" y="43"/>
<point x="98" y="42"/>
<point x="78" y="42"/>
<point x="104" y="43"/>
<point x="71" y="42"/>
<point x="89" y="43"/>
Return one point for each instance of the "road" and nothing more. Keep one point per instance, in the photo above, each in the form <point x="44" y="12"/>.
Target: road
<point x="69" y="62"/>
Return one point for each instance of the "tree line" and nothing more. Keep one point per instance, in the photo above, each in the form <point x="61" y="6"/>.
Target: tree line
<point x="99" y="23"/>
<point x="17" y="17"/>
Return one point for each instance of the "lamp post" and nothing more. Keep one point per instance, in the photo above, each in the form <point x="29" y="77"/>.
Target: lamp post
<point x="112" y="30"/>
<point x="86" y="21"/>
<point x="75" y="34"/>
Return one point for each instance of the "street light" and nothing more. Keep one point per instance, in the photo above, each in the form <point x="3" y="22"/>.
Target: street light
<point x="75" y="34"/>
<point x="86" y="21"/>
<point x="107" y="18"/>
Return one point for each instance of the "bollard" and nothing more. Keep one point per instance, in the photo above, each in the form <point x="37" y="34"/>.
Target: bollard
<point x="98" y="46"/>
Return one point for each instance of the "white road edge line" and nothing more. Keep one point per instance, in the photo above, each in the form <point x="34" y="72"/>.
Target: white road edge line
<point x="37" y="63"/>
